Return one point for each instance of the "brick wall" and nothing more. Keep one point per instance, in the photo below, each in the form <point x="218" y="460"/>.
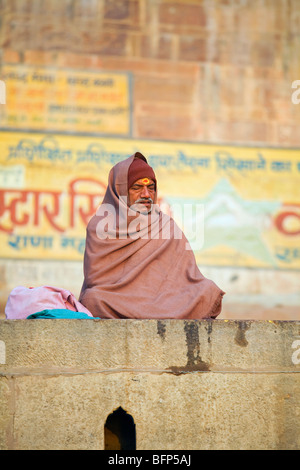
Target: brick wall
<point x="216" y="71"/>
<point x="204" y="71"/>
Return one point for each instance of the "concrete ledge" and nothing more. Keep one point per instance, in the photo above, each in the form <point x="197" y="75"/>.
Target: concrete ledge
<point x="187" y="384"/>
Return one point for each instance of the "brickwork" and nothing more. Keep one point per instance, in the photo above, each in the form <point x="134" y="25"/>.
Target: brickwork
<point x="215" y="71"/>
<point x="203" y="71"/>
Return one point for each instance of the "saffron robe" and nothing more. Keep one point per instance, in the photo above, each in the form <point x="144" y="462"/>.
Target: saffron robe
<point x="139" y="266"/>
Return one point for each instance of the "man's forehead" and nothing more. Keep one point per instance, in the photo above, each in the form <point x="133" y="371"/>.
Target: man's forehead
<point x="144" y="181"/>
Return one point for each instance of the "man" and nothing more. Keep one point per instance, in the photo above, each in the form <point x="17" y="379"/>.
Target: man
<point x="137" y="262"/>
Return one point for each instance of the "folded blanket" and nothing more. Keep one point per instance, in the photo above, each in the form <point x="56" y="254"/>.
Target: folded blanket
<point x="61" y="313"/>
<point x="23" y="301"/>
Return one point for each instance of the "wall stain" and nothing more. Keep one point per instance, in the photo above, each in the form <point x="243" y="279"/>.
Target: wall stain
<point x="194" y="361"/>
<point x="209" y="330"/>
<point x="240" y="337"/>
<point x="161" y="329"/>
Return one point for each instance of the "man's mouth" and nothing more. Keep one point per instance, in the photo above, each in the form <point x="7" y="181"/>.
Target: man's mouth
<point x="147" y="203"/>
<point x="144" y="201"/>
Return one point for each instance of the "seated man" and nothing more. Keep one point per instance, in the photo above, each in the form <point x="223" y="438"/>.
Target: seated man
<point x="137" y="262"/>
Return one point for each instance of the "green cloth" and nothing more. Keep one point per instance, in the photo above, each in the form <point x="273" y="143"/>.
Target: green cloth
<point x="60" y="313"/>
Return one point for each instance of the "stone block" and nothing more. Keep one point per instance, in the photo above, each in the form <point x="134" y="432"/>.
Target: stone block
<point x="192" y="48"/>
<point x="160" y="47"/>
<point x="178" y="14"/>
<point x="172" y="90"/>
<point x="6" y="406"/>
<point x="188" y="385"/>
<point x="127" y="10"/>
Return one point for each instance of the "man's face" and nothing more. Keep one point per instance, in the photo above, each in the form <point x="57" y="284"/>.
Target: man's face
<point x="141" y="195"/>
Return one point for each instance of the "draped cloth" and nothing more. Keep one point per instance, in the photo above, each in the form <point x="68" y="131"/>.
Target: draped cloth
<point x="139" y="266"/>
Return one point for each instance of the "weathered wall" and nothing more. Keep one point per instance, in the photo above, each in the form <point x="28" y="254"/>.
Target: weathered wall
<point x="203" y="71"/>
<point x="187" y="384"/>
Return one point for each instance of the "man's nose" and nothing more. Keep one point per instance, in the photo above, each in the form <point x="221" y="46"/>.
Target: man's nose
<point x="145" y="192"/>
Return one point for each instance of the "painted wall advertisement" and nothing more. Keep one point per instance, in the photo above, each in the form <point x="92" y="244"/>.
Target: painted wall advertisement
<point x="62" y="130"/>
<point x="244" y="203"/>
<point x="65" y="101"/>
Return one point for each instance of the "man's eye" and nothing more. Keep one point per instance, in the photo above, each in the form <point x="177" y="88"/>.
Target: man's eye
<point x="139" y="188"/>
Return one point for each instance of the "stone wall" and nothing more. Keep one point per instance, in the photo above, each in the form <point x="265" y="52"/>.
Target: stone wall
<point x="187" y="385"/>
<point x="204" y="71"/>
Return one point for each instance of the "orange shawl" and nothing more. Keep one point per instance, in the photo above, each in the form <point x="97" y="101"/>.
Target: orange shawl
<point x="141" y="266"/>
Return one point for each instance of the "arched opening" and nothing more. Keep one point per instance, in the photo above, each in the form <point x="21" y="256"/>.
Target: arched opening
<point x="119" y="431"/>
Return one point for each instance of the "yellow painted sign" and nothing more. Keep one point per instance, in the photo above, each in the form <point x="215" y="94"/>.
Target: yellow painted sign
<point x="62" y="100"/>
<point x="247" y="199"/>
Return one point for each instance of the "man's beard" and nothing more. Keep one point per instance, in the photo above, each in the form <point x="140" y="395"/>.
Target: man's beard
<point x="138" y="205"/>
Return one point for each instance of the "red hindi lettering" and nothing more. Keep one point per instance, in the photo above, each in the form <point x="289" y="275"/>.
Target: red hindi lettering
<point x="51" y="215"/>
<point x="281" y="220"/>
<point x="14" y="217"/>
<point x="27" y="206"/>
<point x="84" y="203"/>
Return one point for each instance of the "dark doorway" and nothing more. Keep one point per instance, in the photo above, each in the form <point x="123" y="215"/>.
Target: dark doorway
<point x="119" y="431"/>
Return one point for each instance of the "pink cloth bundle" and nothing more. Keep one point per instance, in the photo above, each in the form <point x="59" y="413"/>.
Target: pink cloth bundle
<point x="24" y="301"/>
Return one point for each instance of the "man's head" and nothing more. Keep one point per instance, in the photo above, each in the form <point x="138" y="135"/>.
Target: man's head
<point x="141" y="186"/>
